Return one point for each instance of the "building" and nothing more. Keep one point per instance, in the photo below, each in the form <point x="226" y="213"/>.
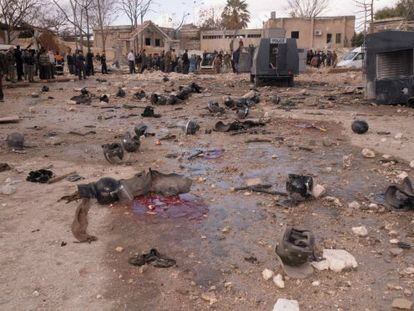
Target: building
<point x="395" y="23"/>
<point x="219" y="40"/>
<point x="316" y="33"/>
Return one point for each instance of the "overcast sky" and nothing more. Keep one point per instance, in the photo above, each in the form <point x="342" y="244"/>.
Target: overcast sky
<point x="170" y="12"/>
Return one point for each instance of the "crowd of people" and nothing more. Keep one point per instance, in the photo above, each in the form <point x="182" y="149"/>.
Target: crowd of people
<point x="167" y="61"/>
<point x="320" y="58"/>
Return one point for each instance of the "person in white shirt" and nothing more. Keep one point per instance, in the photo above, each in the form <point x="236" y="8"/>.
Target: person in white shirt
<point x="131" y="62"/>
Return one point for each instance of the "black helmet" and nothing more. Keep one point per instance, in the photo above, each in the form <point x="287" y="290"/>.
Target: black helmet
<point x="140" y="129"/>
<point x="129" y="143"/>
<point x="105" y="190"/>
<point x="296" y="247"/>
<point x="15" y="140"/>
<point x="299" y="184"/>
<point x="360" y="127"/>
<point x="113" y="152"/>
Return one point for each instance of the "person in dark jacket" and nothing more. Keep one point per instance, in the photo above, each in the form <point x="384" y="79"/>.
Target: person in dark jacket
<point x="71" y="63"/>
<point x="104" y="68"/>
<point x="44" y="65"/>
<point x="186" y="62"/>
<point x="29" y="63"/>
<point x="19" y="62"/>
<point x="89" y="64"/>
<point x="80" y="65"/>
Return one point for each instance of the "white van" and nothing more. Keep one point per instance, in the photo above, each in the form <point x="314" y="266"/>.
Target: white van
<point x="353" y="59"/>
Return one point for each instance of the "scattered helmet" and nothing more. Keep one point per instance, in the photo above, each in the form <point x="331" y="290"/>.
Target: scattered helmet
<point x="360" y="127"/>
<point x="15" y="141"/>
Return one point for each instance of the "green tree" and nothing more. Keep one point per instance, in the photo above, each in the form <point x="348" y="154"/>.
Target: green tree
<point x="235" y="16"/>
<point x="357" y="39"/>
<point x="403" y="8"/>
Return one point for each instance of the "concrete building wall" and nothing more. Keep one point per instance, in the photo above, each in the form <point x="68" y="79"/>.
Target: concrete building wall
<point x="315" y="33"/>
<point x="219" y="40"/>
<point x="396" y="23"/>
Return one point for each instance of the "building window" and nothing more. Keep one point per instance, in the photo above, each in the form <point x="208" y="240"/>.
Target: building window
<point x="147" y="41"/>
<point x="157" y="42"/>
<point x="338" y="38"/>
<point x="254" y="35"/>
<point x="212" y="37"/>
<point x="294" y="34"/>
<point x="329" y="38"/>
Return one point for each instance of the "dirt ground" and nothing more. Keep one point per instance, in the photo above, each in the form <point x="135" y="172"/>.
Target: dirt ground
<point x="43" y="269"/>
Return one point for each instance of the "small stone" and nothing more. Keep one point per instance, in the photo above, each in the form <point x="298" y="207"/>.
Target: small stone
<point x="394" y="241"/>
<point x="402" y="304"/>
<point x="412" y="164"/>
<point x="320" y="265"/>
<point x="35" y="95"/>
<point x="226" y="229"/>
<point x="278" y="280"/>
<point x="398" y="136"/>
<point x="316" y="283"/>
<point x="99" y="296"/>
<point x="35" y="294"/>
<point x="228" y="284"/>
<point x="339" y="260"/>
<point x="393" y="233"/>
<point x="360" y="231"/>
<point x="286" y="305"/>
<point x="119" y="249"/>
<point x="8" y="189"/>
<point x="407" y="292"/>
<point x="396" y="251"/>
<point x="409" y="270"/>
<point x="326" y="142"/>
<point x="354" y="205"/>
<point x="267" y="274"/>
<point x="275" y="157"/>
<point x="402" y="176"/>
<point x="334" y="200"/>
<point x="367" y="153"/>
<point x="209" y="297"/>
<point x="373" y="206"/>
<point x="318" y="191"/>
<point x="253" y="182"/>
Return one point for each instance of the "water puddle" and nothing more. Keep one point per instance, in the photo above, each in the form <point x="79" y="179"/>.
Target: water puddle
<point x="181" y="206"/>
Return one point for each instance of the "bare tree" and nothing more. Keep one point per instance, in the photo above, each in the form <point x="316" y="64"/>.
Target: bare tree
<point x="307" y="8"/>
<point x="15" y="13"/>
<point x="104" y="11"/>
<point x="135" y="10"/>
<point x="52" y="19"/>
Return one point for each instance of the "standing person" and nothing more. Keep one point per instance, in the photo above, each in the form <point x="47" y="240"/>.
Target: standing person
<point x="3" y="68"/>
<point x="44" y="65"/>
<point x="174" y="61"/>
<point x="10" y="61"/>
<point x="144" y="61"/>
<point x="193" y="63"/>
<point x="104" y="68"/>
<point x="71" y="63"/>
<point x="167" y="61"/>
<point x="29" y="63"/>
<point x="198" y="60"/>
<point x="227" y="62"/>
<point x="186" y="62"/>
<point x="334" y="59"/>
<point x="131" y="62"/>
<point x="89" y="64"/>
<point x="236" y="57"/>
<point x="80" y="65"/>
<point x="19" y="62"/>
<point x="218" y="61"/>
<point x="51" y="63"/>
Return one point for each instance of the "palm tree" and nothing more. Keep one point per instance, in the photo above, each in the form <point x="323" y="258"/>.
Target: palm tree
<point x="235" y="16"/>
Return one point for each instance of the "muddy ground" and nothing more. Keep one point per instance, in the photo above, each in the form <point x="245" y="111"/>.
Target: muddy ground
<point x="42" y="268"/>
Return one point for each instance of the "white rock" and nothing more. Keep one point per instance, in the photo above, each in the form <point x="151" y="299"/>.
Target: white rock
<point x="339" y="259"/>
<point x="286" y="305"/>
<point x="318" y="191"/>
<point x="267" y="274"/>
<point x="394" y="241"/>
<point x="316" y="283"/>
<point x="36" y="293"/>
<point x="402" y="176"/>
<point x="7" y="189"/>
<point x="360" y="231"/>
<point x="278" y="280"/>
<point x="368" y="153"/>
<point x="412" y="164"/>
<point x="320" y="265"/>
<point x="398" y="136"/>
<point x="409" y="270"/>
<point x="354" y="205"/>
<point x="373" y="206"/>
<point x="402" y="304"/>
